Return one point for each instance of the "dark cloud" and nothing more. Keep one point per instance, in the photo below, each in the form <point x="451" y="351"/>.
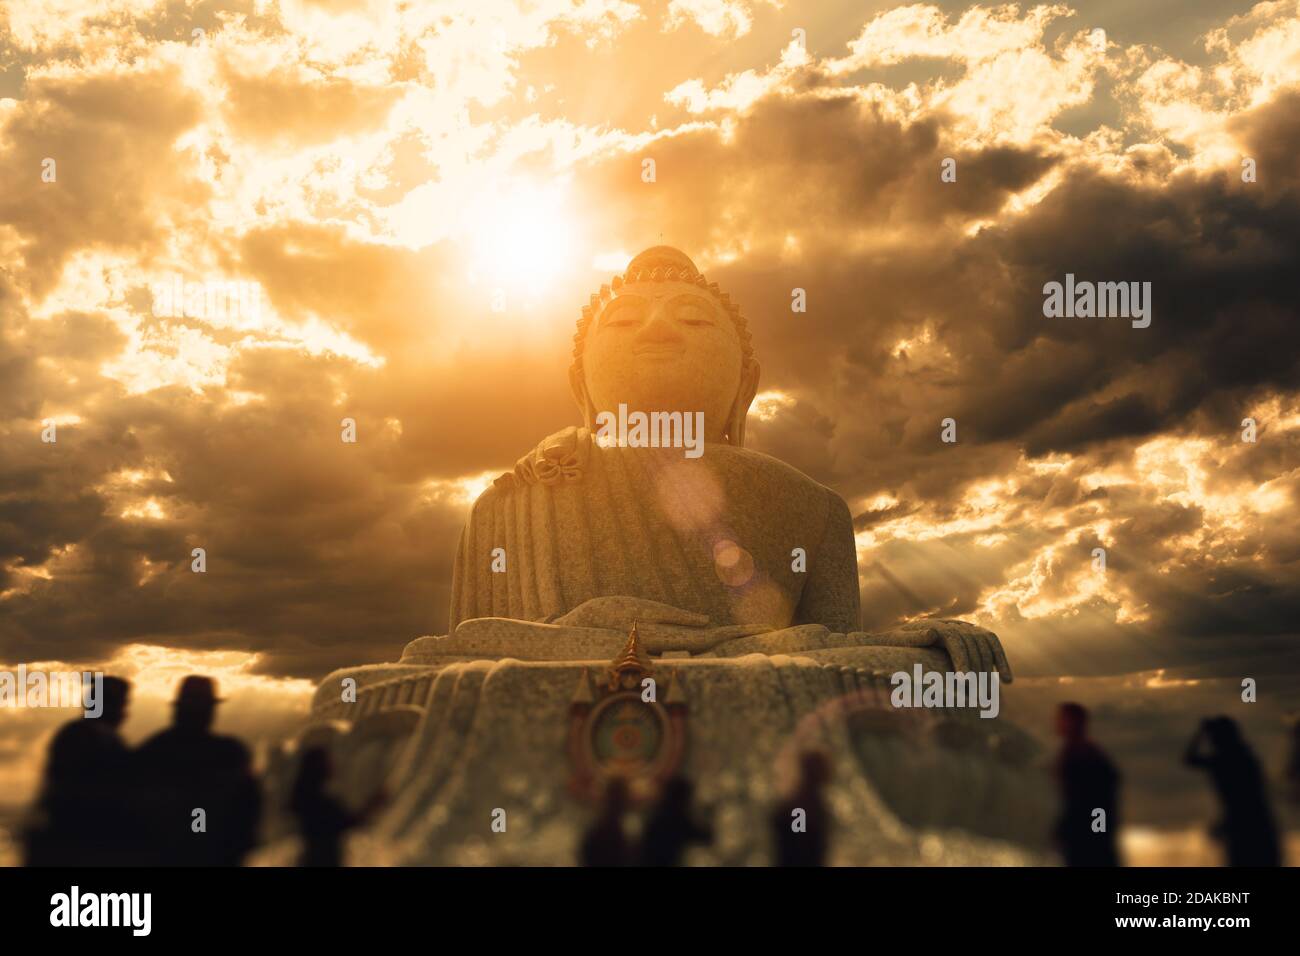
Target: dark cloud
<point x="105" y="135"/>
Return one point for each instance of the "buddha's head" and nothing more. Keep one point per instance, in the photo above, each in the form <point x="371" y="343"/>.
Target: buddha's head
<point x="659" y="338"/>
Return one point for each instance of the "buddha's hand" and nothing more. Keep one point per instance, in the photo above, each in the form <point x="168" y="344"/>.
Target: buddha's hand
<point x="619" y="613"/>
<point x="969" y="647"/>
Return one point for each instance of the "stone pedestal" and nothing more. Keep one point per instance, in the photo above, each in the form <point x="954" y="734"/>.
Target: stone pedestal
<point x="456" y="744"/>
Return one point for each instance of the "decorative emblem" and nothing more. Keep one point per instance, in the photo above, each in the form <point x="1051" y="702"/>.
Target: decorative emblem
<point x="615" y="730"/>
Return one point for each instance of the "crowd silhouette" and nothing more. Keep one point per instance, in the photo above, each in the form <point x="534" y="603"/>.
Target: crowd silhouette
<point x="190" y="797"/>
<point x="800" y="824"/>
<point x="1086" y="832"/>
<point x="1089" y="783"/>
<point x="185" y="797"/>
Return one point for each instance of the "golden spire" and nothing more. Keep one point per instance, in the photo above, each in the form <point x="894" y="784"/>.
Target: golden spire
<point x="629" y="660"/>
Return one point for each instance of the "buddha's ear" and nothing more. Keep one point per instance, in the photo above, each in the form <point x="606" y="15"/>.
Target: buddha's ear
<point x="749" y="374"/>
<point x="578" y="386"/>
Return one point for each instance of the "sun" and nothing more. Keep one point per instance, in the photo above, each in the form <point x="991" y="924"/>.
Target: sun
<point x="523" y="237"/>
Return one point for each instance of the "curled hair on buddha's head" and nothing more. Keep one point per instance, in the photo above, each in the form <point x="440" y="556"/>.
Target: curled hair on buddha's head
<point x="663" y="264"/>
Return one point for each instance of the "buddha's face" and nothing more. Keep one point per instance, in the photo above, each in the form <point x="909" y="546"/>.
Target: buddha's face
<point x="665" y="346"/>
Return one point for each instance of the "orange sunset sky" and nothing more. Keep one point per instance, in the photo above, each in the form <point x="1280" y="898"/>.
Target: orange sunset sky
<point x="425" y="194"/>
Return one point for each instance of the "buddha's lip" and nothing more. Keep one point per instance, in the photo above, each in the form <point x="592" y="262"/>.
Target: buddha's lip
<point x="657" y="350"/>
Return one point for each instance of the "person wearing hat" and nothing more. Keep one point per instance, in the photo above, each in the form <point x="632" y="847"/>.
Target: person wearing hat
<point x="207" y="797"/>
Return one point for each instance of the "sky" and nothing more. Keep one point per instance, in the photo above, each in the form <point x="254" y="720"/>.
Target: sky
<point x="415" y="200"/>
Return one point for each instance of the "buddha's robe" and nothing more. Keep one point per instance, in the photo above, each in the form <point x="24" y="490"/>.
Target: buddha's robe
<point x="714" y="535"/>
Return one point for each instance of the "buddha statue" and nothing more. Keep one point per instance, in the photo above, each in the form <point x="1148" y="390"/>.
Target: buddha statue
<point x="646" y="546"/>
<point x="722" y="552"/>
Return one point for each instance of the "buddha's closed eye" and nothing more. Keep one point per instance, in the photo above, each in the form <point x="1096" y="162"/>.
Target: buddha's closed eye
<point x="624" y="316"/>
<point x="692" y="315"/>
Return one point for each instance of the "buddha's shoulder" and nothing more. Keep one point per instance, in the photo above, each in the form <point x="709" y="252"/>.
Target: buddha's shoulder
<point x="561" y="457"/>
<point x="747" y="464"/>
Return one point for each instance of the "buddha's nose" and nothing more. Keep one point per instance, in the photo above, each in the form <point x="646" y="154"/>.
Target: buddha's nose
<point x="660" y="330"/>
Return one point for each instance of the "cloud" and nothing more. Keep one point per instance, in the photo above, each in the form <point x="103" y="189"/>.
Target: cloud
<point x="346" y="159"/>
<point x="719" y="18"/>
<point x="104" y="134"/>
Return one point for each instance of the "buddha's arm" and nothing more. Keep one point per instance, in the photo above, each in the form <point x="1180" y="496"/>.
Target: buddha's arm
<point x="830" y="596"/>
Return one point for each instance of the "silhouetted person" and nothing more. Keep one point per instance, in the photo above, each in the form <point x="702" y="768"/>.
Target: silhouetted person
<point x="1293" y="763"/>
<point x="604" y="843"/>
<point x="1246" y="827"/>
<point x="670" y="828"/>
<point x="1088" y="782"/>
<point x="323" y="820"/>
<point x="801" y="825"/>
<point x="187" y="768"/>
<point x="84" y="811"/>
